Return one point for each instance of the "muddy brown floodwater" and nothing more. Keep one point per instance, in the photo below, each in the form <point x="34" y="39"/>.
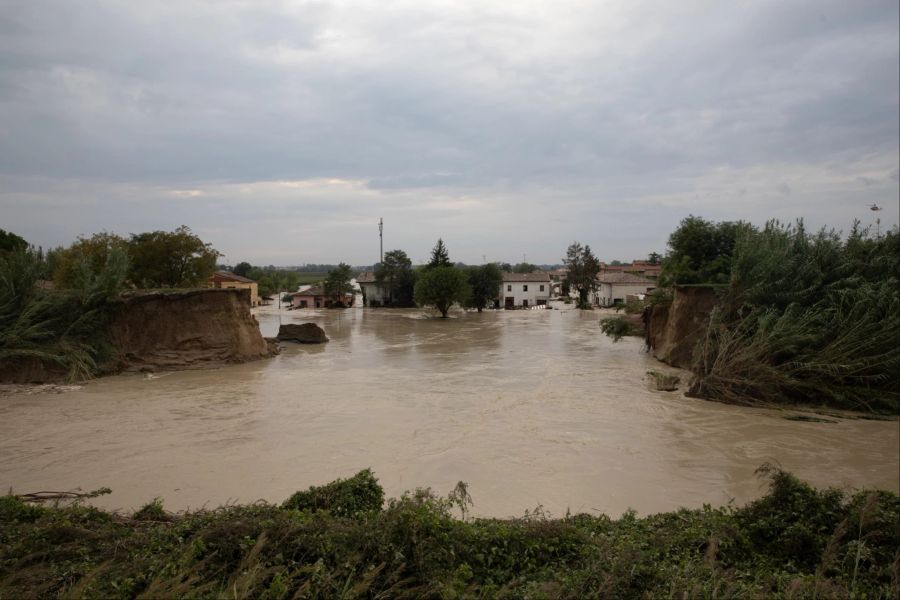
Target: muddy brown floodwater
<point x="529" y="407"/>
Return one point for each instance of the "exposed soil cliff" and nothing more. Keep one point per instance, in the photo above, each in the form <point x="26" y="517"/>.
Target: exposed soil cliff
<point x="673" y="330"/>
<point x="185" y="329"/>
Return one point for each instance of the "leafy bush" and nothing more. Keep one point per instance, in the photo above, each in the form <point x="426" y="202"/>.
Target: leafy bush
<point x="342" y="497"/>
<point x="61" y="329"/>
<point x="618" y="327"/>
<point x="795" y="541"/>
<point x="809" y="319"/>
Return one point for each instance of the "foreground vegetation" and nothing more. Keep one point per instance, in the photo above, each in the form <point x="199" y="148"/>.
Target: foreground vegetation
<point x="804" y="318"/>
<point x="339" y="541"/>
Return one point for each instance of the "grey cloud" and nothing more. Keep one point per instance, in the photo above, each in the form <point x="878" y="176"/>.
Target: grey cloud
<point x="666" y="108"/>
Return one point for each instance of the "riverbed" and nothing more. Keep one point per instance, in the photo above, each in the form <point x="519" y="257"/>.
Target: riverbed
<point x="530" y="408"/>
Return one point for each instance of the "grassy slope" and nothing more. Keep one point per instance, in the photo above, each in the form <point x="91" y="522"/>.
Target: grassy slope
<point x="338" y="541"/>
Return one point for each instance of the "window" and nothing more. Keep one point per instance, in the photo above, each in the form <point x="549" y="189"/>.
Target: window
<point x="542" y="288"/>
<point x="509" y="288"/>
<point x="524" y="288"/>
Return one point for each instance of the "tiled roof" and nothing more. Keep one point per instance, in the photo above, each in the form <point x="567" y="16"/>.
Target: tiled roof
<point x="619" y="277"/>
<point x="233" y="277"/>
<point x="312" y="291"/>
<point x="538" y="276"/>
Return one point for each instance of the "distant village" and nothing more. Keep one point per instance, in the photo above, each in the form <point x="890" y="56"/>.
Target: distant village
<point x="615" y="284"/>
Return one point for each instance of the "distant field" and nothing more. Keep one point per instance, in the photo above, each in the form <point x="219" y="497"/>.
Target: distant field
<point x="312" y="277"/>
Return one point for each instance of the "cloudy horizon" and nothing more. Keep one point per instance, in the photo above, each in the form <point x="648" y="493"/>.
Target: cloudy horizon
<point x="280" y="132"/>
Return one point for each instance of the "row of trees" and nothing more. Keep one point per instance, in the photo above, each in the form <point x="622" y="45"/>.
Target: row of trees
<point x="439" y="283"/>
<point x="155" y="259"/>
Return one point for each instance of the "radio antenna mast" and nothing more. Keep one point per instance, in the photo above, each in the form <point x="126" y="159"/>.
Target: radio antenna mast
<point x="381" y="239"/>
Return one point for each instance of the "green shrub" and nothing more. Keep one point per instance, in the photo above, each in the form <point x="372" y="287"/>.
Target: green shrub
<point x="618" y="327"/>
<point x="342" y="497"/>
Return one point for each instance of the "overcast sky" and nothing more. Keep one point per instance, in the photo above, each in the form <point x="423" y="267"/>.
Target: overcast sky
<point x="281" y="131"/>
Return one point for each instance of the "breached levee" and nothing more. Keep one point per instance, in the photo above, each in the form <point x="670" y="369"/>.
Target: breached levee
<point x="673" y="330"/>
<point x="183" y="329"/>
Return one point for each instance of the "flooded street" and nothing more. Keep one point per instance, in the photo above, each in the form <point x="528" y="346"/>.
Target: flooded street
<point x="529" y="407"/>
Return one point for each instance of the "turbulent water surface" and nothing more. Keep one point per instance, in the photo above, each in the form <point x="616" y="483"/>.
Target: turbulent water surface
<point x="529" y="407"/>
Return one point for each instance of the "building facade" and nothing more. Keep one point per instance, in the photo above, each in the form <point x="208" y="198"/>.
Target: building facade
<point x="614" y="287"/>
<point x="523" y="290"/>
<point x="228" y="280"/>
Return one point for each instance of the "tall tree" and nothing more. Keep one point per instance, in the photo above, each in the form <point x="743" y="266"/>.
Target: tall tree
<point x="524" y="267"/>
<point x="242" y="269"/>
<point x="10" y="242"/>
<point x="654" y="258"/>
<point x="700" y="251"/>
<point x="582" y="275"/>
<point x="170" y="259"/>
<point x="337" y="285"/>
<point x="84" y="256"/>
<point x="441" y="287"/>
<point x="485" y="281"/>
<point x="439" y="256"/>
<point x="392" y="270"/>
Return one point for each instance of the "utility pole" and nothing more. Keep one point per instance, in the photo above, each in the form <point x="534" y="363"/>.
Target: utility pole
<point x="876" y="208"/>
<point x="381" y="239"/>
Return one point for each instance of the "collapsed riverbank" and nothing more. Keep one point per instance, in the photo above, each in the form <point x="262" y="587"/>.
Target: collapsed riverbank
<point x="341" y="540"/>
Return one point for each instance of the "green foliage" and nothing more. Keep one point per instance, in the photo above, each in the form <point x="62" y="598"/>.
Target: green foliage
<point x="618" y="327"/>
<point x="177" y="259"/>
<point x="441" y="287"/>
<point x="700" y="251"/>
<point x="242" y="269"/>
<point x="91" y="254"/>
<point x="396" y="272"/>
<point x="337" y="284"/>
<point x="525" y="267"/>
<point x="808" y="319"/>
<point x="439" y="256"/>
<point x="794" y="542"/>
<point x="62" y="330"/>
<point x="152" y="511"/>
<point x="10" y="242"/>
<point x="485" y="282"/>
<point x="583" y="268"/>
<point x="342" y="497"/>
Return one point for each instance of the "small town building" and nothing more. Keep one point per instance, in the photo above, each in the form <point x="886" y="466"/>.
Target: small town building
<point x="524" y="289"/>
<point x="228" y="280"/>
<point x="614" y="287"/>
<point x="373" y="292"/>
<point x="315" y="297"/>
<point x="643" y="268"/>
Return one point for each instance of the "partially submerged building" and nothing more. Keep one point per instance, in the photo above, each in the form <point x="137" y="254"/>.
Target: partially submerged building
<point x="315" y="297"/>
<point x="523" y="290"/>
<point x="615" y="287"/>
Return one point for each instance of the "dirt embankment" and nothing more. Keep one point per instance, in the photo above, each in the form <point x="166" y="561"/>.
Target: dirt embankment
<point x="184" y="329"/>
<point x="673" y="330"/>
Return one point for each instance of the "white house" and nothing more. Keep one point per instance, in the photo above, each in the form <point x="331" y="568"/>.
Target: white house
<point x="374" y="293"/>
<point x="524" y="289"/>
<point x="613" y="287"/>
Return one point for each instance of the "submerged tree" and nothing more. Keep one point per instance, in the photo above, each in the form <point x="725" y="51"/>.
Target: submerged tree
<point x="441" y="287"/>
<point x="485" y="281"/>
<point x="338" y="285"/>
<point x="582" y="267"/>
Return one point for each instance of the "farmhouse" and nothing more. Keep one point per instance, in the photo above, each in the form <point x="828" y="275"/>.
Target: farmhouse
<point x="524" y="289"/>
<point x="374" y="293"/>
<point x="315" y="297"/>
<point x="228" y="280"/>
<point x="613" y="287"/>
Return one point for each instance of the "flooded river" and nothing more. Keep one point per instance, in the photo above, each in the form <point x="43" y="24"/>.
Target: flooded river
<point x="529" y="407"/>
